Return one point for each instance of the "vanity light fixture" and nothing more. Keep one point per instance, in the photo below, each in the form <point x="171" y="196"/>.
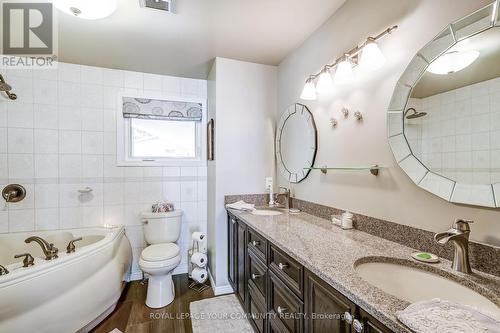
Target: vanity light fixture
<point x="325" y="83"/>
<point x="87" y="9"/>
<point x="309" y="91"/>
<point x="371" y="56"/>
<point x="453" y="62"/>
<point x="344" y="73"/>
<point x="367" y="55"/>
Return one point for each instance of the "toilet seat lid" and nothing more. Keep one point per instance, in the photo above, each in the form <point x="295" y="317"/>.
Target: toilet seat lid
<point x="159" y="252"/>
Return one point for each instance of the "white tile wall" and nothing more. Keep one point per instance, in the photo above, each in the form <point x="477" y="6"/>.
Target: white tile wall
<point x="460" y="136"/>
<point x="60" y="136"/>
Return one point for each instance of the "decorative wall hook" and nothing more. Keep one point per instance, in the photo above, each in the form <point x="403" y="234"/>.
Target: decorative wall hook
<point x="358" y="115"/>
<point x="345" y="112"/>
<point x="333" y="122"/>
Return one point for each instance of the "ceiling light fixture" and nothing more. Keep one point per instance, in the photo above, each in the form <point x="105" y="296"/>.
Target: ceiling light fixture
<point x="87" y="9"/>
<point x="367" y="55"/>
<point x="453" y="62"/>
<point x="325" y="83"/>
<point x="309" y="91"/>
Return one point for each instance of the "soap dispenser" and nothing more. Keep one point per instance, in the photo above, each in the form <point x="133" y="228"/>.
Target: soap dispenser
<point x="269" y="187"/>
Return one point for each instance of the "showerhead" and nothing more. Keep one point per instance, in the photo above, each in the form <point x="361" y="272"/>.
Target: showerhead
<point x="415" y="114"/>
<point x="5" y="87"/>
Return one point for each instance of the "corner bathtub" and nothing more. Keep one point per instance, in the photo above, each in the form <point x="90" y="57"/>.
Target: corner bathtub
<point x="72" y="293"/>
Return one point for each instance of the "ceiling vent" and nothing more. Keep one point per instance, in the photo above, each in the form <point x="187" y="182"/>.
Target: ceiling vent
<point x="165" y="5"/>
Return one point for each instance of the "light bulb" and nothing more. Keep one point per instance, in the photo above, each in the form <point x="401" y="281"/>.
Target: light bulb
<point x="371" y="57"/>
<point x="325" y="83"/>
<point x="87" y="9"/>
<point x="452" y="62"/>
<point x="309" y="91"/>
<point x="344" y="73"/>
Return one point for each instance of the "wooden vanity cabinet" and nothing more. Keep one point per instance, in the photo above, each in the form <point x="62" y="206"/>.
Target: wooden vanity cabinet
<point x="280" y="296"/>
<point x="237" y="245"/>
<point x="231" y="251"/>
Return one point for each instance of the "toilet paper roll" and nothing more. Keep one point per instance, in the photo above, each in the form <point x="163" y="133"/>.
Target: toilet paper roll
<point x="199" y="275"/>
<point x="199" y="259"/>
<point x="198" y="236"/>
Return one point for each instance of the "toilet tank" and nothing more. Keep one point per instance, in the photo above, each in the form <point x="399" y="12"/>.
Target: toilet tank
<point x="162" y="227"/>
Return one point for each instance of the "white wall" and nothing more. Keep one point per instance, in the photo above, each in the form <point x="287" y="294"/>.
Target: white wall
<point x="245" y="97"/>
<point x="60" y="136"/>
<point x="391" y="195"/>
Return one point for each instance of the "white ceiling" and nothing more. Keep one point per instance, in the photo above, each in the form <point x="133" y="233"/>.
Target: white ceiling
<point x="185" y="43"/>
<point x="486" y="67"/>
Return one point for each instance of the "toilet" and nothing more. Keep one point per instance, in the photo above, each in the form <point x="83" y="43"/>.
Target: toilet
<point x="162" y="256"/>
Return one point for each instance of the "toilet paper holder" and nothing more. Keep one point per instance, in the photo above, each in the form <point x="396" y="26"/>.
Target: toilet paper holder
<point x="194" y="285"/>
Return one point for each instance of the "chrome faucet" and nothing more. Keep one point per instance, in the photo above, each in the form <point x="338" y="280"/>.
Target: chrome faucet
<point x="49" y="250"/>
<point x="284" y="193"/>
<point x="3" y="270"/>
<point x="459" y="236"/>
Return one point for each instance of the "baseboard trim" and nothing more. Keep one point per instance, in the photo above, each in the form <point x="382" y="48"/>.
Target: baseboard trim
<point x="219" y="290"/>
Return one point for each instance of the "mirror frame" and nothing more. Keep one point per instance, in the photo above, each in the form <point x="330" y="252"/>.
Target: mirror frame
<point x="447" y="189"/>
<point x="290" y="175"/>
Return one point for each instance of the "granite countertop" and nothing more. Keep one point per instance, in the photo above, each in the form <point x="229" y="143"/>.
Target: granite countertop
<point x="332" y="253"/>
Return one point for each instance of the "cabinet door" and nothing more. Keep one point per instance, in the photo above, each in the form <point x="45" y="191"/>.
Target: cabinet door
<point x="325" y="307"/>
<point x="368" y="324"/>
<point x="231" y="241"/>
<point x="284" y="306"/>
<point x="240" y="264"/>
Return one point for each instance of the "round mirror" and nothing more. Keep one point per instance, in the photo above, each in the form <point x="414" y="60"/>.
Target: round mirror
<point x="296" y="143"/>
<point x="444" y="118"/>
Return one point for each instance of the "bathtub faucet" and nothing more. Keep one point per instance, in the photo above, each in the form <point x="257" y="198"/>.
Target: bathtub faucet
<point x="49" y="250"/>
<point x="3" y="270"/>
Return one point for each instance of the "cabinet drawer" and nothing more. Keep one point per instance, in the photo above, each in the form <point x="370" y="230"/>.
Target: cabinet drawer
<point x="284" y="305"/>
<point x="257" y="243"/>
<point x="289" y="270"/>
<point x="257" y="273"/>
<point x="256" y="309"/>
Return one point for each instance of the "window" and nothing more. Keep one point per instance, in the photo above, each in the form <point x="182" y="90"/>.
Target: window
<point x="157" y="132"/>
<point x="162" y="139"/>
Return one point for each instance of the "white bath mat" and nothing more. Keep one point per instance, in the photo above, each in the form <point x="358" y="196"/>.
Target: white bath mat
<point x="222" y="314"/>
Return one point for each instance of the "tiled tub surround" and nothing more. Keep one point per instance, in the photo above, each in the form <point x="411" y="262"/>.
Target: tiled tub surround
<point x="332" y="253"/>
<point x="483" y="257"/>
<point x="60" y="136"/>
<point x="460" y="135"/>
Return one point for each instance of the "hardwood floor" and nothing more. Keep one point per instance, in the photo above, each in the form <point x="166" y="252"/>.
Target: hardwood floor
<point x="133" y="316"/>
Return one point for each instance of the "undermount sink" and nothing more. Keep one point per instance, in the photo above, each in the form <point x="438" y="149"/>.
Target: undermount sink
<point x="412" y="284"/>
<point x="266" y="212"/>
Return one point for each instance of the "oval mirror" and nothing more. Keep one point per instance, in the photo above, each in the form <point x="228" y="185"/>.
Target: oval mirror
<point x="296" y="143"/>
<point x="444" y="117"/>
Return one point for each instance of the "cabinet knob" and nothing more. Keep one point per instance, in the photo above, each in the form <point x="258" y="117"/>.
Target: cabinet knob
<point x="255" y="243"/>
<point x="348" y="318"/>
<point x="281" y="310"/>
<point x="282" y="266"/>
<point x="358" y="326"/>
<point x="255" y="276"/>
